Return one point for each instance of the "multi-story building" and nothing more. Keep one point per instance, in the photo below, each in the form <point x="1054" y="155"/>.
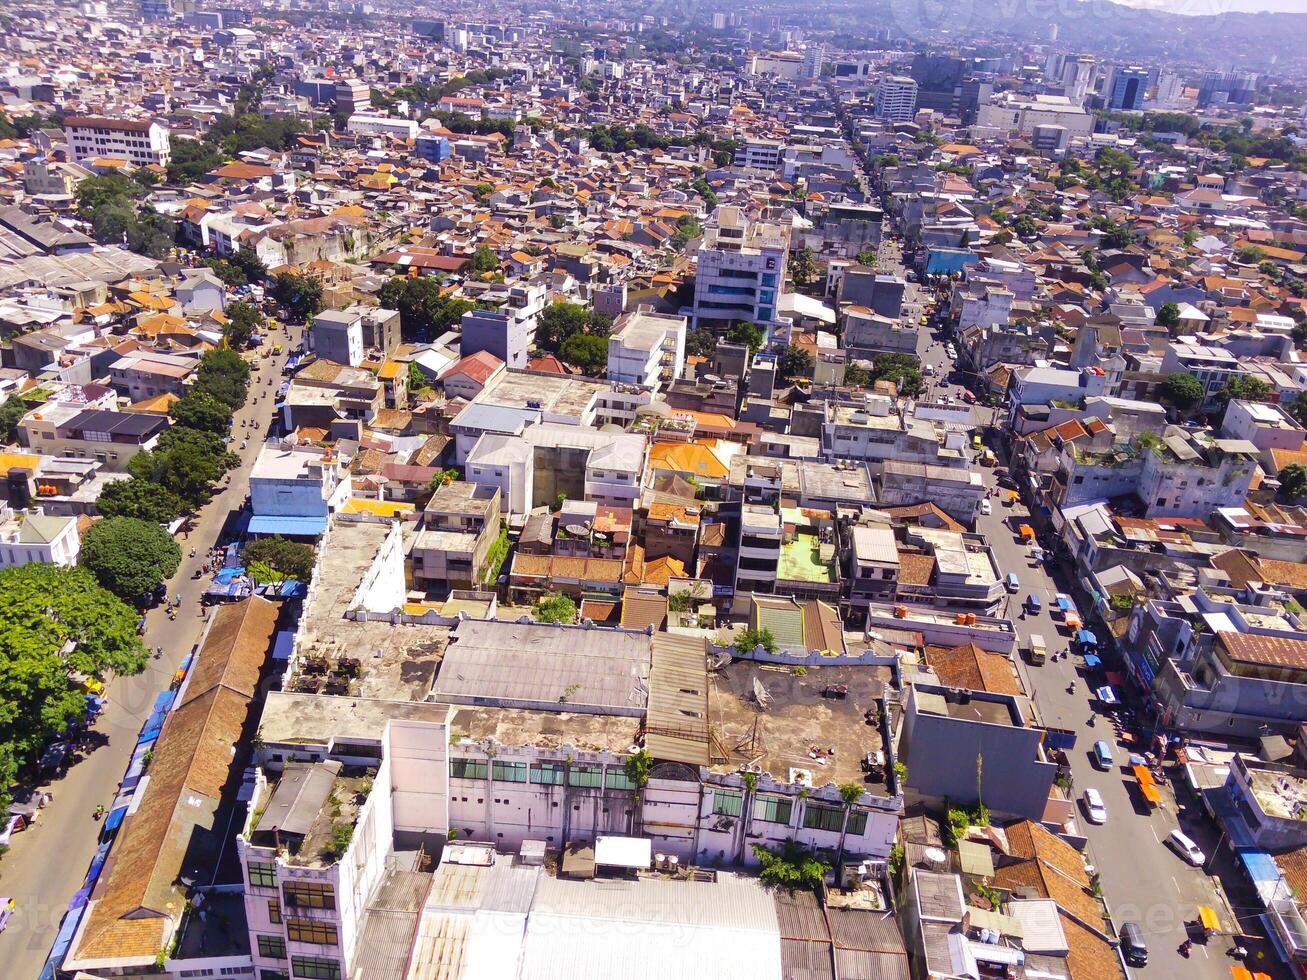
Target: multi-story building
<point x="1010" y="112"/>
<point x="352" y="95"/>
<point x="741" y="275"/>
<point x="506" y="332"/>
<point x="344" y="335"/>
<point x="896" y="98"/>
<point x="371" y="124"/>
<point x="111" y="438"/>
<point x="34" y="536"/>
<point x="1129" y="84"/>
<point x="141" y="142"/>
<point x="813" y="56"/>
<point x="759" y="154"/>
<point x="460" y="526"/>
<point x="758" y="558"/>
<point x="294" y="488"/>
<point x="646" y="349"/>
<point x="144" y="374"/>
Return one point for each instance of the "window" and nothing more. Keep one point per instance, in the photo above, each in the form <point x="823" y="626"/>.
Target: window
<point x="467" y="769"/>
<point x="262" y="874"/>
<point x="315" y="968"/>
<point x="818" y="817"/>
<point x="857" y="822"/>
<point x="308" y="895"/>
<point x="273" y="947"/>
<point x="510" y="772"/>
<point x="274" y="911"/>
<point x="616" y="778"/>
<point x="312" y="931"/>
<point x="273" y="975"/>
<point x="728" y="802"/>
<point x="585" y="776"/>
<point x="547" y="773"/>
<point x="773" y="809"/>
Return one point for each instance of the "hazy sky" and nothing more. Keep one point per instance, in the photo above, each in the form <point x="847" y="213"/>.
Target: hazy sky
<point x="1221" y="6"/>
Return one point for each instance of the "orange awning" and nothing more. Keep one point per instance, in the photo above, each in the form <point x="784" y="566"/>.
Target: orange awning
<point x="1073" y="621"/>
<point x="1027" y="531"/>
<point x="1240" y="973"/>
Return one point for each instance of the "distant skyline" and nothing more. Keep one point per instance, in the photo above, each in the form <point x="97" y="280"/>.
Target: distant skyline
<point x="1202" y="7"/>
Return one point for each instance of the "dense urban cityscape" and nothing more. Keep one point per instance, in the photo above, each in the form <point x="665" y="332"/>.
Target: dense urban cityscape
<point x="652" y="490"/>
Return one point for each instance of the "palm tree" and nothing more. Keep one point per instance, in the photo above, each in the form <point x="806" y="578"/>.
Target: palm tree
<point x="850" y="793"/>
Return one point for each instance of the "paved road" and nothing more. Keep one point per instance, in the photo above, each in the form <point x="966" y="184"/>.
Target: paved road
<point x="47" y="863"/>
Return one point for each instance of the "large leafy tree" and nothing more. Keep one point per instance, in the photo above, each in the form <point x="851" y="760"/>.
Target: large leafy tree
<point x="1168" y="315"/>
<point x="795" y="362"/>
<point x="1181" y="390"/>
<point x="585" y="351"/>
<point x="748" y="335"/>
<point x="903" y="370"/>
<point x="299" y="295"/>
<point x="225" y="376"/>
<point x="243" y="321"/>
<point x="558" y="322"/>
<point x="803" y="267"/>
<point x="290" y="558"/>
<point x="700" y="342"/>
<point x="198" y="409"/>
<point x="11" y="413"/>
<point x="43" y="607"/>
<point x="423" y="311"/>
<point x="555" y="609"/>
<point x="1243" y="387"/>
<point x="186" y="462"/>
<point x="130" y="557"/>
<point x="141" y="499"/>
<point x="1293" y="482"/>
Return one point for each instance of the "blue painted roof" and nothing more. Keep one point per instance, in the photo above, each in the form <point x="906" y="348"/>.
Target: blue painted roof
<point x="300" y="526"/>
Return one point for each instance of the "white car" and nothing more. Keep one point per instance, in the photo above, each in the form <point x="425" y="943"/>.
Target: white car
<point x="1186" y="848"/>
<point x="1095" y="810"/>
<point x="986" y="508"/>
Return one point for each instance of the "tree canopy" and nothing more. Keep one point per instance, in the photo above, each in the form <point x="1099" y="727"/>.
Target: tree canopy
<point x="555" y="609"/>
<point x="423" y="312"/>
<point x="585" y="351"/>
<point x="142" y="499"/>
<point x="1293" y="482"/>
<point x="299" y="295"/>
<point x="1181" y="390"/>
<point x="795" y="362"/>
<point x="243" y="321"/>
<point x="130" y="557"/>
<point x="748" y="335"/>
<point x="224" y="375"/>
<point x="42" y="607"/>
<point x="291" y="558"/>
<point x="803" y="267"/>
<point x="186" y="462"/>
<point x="197" y="409"/>
<point x="904" y="370"/>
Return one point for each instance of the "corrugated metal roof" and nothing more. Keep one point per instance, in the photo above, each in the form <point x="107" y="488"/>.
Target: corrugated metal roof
<point x="863" y="929"/>
<point x="853" y="964"/>
<point x="676" y="725"/>
<point x="805" y="960"/>
<point x="800" y="916"/>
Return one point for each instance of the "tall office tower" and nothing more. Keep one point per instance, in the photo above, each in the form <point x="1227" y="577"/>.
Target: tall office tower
<point x="1077" y="77"/>
<point x="896" y="98"/>
<point x="1128" y="87"/>
<point x="812" y="59"/>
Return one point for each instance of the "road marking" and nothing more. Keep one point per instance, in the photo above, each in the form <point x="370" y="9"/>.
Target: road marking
<point x="1177" y="884"/>
<point x="1155" y="837"/>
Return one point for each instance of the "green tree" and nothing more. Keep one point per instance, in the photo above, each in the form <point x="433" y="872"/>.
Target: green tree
<point x="1293" y="482"/>
<point x="803" y="267"/>
<point x="484" y="260"/>
<point x="795" y="362"/>
<point x="42" y="608"/>
<point x="700" y="342"/>
<point x="555" y="609"/>
<point x="198" y="409"/>
<point x="748" y="335"/>
<point x="128" y="556"/>
<point x="1181" y="391"/>
<point x="142" y="499"/>
<point x="417" y="379"/>
<point x="1298" y="408"/>
<point x="423" y="312"/>
<point x="587" y="352"/>
<point x="904" y="370"/>
<point x="750" y="639"/>
<point x="186" y="462"/>
<point x="11" y="413"/>
<point x="1024" y="227"/>
<point x="1243" y="387"/>
<point x="224" y="375"/>
<point x="299" y="295"/>
<point x="243" y="321"/>
<point x="291" y="558"/>
<point x="792" y="867"/>
<point x="1168" y="315"/>
<point x="868" y="257"/>
<point x="559" y="321"/>
<point x="856" y="376"/>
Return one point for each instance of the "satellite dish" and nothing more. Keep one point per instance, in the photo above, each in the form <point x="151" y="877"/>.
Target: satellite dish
<point x="577" y="530"/>
<point x="935" y="855"/>
<point x="760" y="693"/>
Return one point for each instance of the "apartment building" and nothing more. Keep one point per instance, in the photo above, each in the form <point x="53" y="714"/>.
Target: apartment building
<point x="110" y="438"/>
<point x="741" y="273"/>
<point x="759" y="154"/>
<point x="34" y="536"/>
<point x="896" y="99"/>
<point x="293" y="489"/>
<point x="370" y="124"/>
<point x="459" y="528"/>
<point x="646" y="349"/>
<point x="141" y="142"/>
<point x="345" y="335"/>
<point x="141" y="375"/>
<point x="506" y="332"/>
<point x="758" y="558"/>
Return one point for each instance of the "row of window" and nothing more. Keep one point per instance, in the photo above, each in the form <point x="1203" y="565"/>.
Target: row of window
<point x="779" y="809"/>
<point x="542" y="773"/>
<point x="313" y="967"/>
<point x="297" y="894"/>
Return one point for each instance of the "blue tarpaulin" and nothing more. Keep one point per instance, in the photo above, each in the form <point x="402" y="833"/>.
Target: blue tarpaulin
<point x="115" y="819"/>
<point x="296" y="526"/>
<point x="1092" y="662"/>
<point x="283" y="644"/>
<point x="164" y="701"/>
<point x="1064" y="603"/>
<point x="1265" y="876"/>
<point x="1107" y="695"/>
<point x="1087" y="638"/>
<point x="80" y="898"/>
<point x="97" y="864"/>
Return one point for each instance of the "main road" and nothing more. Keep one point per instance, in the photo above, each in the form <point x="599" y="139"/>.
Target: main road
<point x="46" y="864"/>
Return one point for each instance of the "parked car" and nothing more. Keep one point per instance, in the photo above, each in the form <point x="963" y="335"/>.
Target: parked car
<point x="986" y="508"/>
<point x="1102" y="755"/>
<point x="1186" y="848"/>
<point x="1033" y="605"/>
<point x="1095" y="809"/>
<point x="1132" y="944"/>
<point x="1013" y="583"/>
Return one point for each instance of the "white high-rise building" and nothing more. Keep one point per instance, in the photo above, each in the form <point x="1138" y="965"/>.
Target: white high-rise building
<point x="138" y="141"/>
<point x="812" y="59"/>
<point x="896" y="98"/>
<point x="741" y="273"/>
